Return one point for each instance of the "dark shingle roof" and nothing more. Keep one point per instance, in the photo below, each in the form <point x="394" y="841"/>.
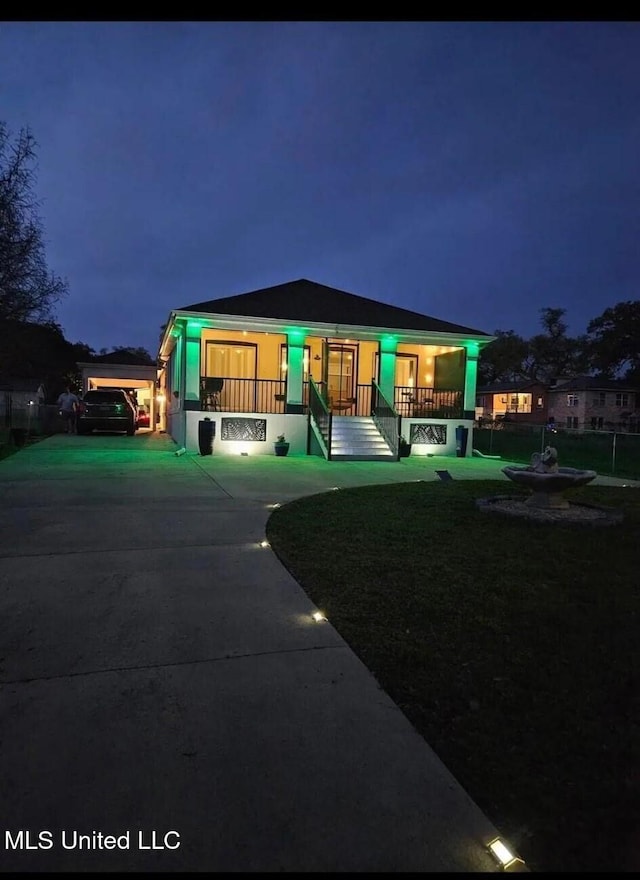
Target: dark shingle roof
<point x="121" y="357"/>
<point x="309" y="301"/>
<point x="518" y="385"/>
<point x="590" y="383"/>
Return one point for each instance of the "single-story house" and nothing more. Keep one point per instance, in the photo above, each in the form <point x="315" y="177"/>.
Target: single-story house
<point x="340" y="375"/>
<point x="523" y="401"/>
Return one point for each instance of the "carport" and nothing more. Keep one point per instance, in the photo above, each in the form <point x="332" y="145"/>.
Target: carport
<point x="104" y="372"/>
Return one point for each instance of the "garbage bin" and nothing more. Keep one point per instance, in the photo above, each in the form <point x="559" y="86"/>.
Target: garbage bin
<point x="206" y="433"/>
<point x="462" y="438"/>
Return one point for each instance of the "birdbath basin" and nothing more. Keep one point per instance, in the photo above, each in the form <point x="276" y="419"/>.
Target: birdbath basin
<point x="547" y="481"/>
<point x="547" y="488"/>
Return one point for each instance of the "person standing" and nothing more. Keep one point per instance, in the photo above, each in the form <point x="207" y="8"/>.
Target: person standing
<point x="68" y="403"/>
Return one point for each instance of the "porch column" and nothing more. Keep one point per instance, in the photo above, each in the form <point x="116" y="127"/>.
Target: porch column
<point x="387" y="378"/>
<point x="470" y="379"/>
<point x="295" y="371"/>
<point x="192" y="366"/>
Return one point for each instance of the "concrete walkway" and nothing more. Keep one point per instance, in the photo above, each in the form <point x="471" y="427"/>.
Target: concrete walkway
<point x="160" y="673"/>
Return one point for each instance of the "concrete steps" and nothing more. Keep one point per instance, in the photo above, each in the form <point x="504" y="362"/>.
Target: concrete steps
<point x="356" y="438"/>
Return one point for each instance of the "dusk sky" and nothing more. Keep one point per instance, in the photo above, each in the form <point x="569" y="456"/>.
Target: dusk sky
<point x="472" y="171"/>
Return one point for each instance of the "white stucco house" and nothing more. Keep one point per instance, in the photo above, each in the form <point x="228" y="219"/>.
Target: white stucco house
<point x="340" y="375"/>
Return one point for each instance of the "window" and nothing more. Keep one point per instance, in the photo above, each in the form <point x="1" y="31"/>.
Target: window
<point x="572" y="421"/>
<point x="572" y="399"/>
<point x="622" y="399"/>
<point x="519" y="403"/>
<point x="599" y="399"/>
<point x="597" y="422"/>
<point x="231" y="360"/>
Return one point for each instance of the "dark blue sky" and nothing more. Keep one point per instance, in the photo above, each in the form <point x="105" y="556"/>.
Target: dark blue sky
<point x="472" y="171"/>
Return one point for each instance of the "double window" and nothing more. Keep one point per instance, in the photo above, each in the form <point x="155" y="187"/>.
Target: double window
<point x="231" y="360"/>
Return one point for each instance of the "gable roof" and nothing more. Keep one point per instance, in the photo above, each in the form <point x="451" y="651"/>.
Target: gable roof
<point x="518" y="385"/>
<point x="591" y="383"/>
<point x="304" y="300"/>
<point x="121" y="357"/>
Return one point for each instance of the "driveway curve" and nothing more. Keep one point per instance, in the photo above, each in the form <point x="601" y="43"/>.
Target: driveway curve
<point x="168" y="703"/>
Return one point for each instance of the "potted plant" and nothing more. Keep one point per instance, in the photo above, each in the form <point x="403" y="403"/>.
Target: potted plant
<point x="281" y="445"/>
<point x="404" y="448"/>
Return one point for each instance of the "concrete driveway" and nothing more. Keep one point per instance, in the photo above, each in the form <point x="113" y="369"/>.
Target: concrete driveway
<point x="160" y="673"/>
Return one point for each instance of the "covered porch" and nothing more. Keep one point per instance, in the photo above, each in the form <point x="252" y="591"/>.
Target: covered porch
<point x="255" y="384"/>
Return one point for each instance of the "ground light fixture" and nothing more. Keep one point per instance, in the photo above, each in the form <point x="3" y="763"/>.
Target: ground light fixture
<point x="274" y="506"/>
<point x="503" y="855"/>
<point x="265" y="544"/>
<point x="318" y="616"/>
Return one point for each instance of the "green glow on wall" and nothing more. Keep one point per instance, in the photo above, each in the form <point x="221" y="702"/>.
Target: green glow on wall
<point x="296" y="336"/>
<point x="388" y="343"/>
<point x="473" y="348"/>
<point x="194" y="323"/>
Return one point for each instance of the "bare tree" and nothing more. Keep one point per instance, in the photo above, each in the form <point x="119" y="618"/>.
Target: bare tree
<point x="28" y="291"/>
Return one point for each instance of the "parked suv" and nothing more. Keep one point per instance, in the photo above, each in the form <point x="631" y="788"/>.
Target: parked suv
<point x="108" y="410"/>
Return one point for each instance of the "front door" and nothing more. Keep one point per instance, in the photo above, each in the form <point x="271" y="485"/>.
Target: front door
<point x="342" y="371"/>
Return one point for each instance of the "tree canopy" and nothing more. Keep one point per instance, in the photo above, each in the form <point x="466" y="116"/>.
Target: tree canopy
<point x="614" y="338"/>
<point x="611" y="345"/>
<point x="28" y="290"/>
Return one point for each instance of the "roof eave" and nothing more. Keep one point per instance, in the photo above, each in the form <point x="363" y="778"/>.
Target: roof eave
<point x="339" y="330"/>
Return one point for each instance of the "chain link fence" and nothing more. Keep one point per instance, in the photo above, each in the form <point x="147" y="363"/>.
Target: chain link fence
<point x="613" y="453"/>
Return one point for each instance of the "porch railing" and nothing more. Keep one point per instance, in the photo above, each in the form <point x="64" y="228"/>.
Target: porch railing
<point x="243" y="395"/>
<point x="321" y="415"/>
<point x="425" y="403"/>
<point x="386" y="418"/>
<point x="363" y="400"/>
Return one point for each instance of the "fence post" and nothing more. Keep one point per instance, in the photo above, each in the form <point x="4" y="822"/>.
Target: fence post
<point x="542" y="438"/>
<point x="613" y="454"/>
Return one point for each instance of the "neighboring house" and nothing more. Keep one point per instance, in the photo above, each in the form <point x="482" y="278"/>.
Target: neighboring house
<point x="340" y="375"/>
<point x="586" y="403"/>
<point x="519" y="402"/>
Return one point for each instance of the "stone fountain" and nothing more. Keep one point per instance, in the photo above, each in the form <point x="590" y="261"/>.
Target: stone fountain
<point x="547" y="481"/>
<point x="547" y="503"/>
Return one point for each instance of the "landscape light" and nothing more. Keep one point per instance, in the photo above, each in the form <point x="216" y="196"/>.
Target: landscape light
<point x="502" y="854"/>
<point x="274" y="506"/>
<point x="318" y="616"/>
<point x="265" y="544"/>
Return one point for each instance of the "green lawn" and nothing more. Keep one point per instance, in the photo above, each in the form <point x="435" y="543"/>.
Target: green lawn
<point x="512" y="646"/>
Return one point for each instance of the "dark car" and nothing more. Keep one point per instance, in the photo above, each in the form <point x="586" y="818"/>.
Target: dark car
<point x="111" y="410"/>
